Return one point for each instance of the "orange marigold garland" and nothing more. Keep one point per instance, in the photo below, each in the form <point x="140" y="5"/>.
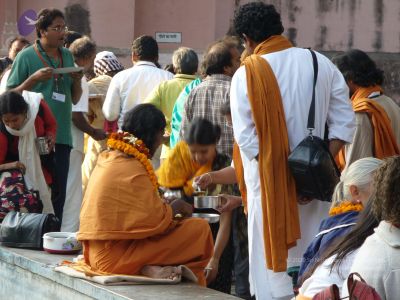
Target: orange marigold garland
<point x="129" y="144"/>
<point x="345" y="206"/>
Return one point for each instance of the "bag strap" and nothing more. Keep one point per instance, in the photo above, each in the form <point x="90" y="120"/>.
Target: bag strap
<point x="311" y="113"/>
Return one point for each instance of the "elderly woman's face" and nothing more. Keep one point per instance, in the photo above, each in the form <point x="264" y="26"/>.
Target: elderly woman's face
<point x="14" y="121"/>
<point x="360" y="195"/>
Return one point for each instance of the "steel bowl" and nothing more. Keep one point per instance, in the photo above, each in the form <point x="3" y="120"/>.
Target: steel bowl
<point x="211" y="218"/>
<point x="208" y="202"/>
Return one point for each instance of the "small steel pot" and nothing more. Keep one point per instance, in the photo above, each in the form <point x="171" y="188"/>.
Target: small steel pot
<point x="211" y="218"/>
<point x="208" y="202"/>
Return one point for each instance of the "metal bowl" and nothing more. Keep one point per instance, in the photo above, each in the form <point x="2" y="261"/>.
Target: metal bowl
<point x="211" y="218"/>
<point x="207" y="202"/>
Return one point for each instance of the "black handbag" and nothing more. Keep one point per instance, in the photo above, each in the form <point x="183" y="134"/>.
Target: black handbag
<point x="311" y="163"/>
<point x="25" y="230"/>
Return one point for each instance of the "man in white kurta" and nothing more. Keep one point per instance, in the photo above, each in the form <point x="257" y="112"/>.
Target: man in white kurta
<point x="131" y="87"/>
<point x="293" y="69"/>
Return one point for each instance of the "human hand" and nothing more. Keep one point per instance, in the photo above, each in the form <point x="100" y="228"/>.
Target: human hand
<point x="51" y="141"/>
<point x="17" y="165"/>
<point x="203" y="181"/>
<point x="98" y="134"/>
<point x="211" y="270"/>
<point x="42" y="74"/>
<point x="76" y="76"/>
<point x="230" y="203"/>
<point x="180" y="207"/>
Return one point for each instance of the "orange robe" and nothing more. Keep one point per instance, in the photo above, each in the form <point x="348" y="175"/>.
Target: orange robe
<point x="124" y="225"/>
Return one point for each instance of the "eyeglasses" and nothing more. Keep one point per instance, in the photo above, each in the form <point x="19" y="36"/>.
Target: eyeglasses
<point x="59" y="28"/>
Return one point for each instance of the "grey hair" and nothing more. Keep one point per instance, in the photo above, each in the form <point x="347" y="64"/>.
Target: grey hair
<point x="360" y="174"/>
<point x="185" y="61"/>
<point x="83" y="47"/>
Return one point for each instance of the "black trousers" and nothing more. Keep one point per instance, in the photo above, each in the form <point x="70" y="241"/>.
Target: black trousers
<point x="59" y="187"/>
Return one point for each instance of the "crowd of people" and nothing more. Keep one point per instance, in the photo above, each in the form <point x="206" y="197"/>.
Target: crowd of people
<point x="119" y="140"/>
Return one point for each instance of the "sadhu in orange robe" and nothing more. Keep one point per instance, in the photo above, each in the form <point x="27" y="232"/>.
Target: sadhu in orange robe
<point x="124" y="225"/>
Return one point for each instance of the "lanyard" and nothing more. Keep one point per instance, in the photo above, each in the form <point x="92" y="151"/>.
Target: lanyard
<point x="48" y="58"/>
<point x="56" y="76"/>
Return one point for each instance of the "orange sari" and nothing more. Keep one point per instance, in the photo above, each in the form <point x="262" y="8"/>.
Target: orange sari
<point x="179" y="169"/>
<point x="125" y="226"/>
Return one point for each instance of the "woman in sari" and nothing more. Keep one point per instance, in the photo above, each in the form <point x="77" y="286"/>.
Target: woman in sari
<point x="125" y="227"/>
<point x="194" y="156"/>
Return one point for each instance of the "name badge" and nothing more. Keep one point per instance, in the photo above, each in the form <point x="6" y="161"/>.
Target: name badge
<point x="58" y="97"/>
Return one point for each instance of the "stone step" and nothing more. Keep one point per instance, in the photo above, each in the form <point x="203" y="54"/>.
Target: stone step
<point x="28" y="274"/>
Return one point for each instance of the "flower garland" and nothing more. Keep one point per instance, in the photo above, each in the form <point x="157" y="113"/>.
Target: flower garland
<point x="345" y="206"/>
<point x="131" y="145"/>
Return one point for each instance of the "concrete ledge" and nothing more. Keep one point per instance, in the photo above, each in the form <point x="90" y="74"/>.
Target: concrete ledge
<point x="29" y="274"/>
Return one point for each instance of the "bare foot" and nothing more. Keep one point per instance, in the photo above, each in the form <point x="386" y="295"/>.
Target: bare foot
<point x="158" y="272"/>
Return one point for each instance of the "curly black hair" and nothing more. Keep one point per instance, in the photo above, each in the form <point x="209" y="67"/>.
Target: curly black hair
<point x="357" y="67"/>
<point x="45" y="18"/>
<point x="145" y="121"/>
<point x="258" y="21"/>
<point x="146" y="48"/>
<point x="387" y="191"/>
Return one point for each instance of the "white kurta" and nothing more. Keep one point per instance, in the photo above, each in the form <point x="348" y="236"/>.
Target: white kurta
<point x="293" y="69"/>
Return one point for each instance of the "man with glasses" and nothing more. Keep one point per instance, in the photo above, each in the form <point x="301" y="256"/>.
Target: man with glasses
<point x="33" y="71"/>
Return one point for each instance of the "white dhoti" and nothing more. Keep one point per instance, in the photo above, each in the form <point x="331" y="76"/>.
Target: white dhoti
<point x="73" y="199"/>
<point x="265" y="283"/>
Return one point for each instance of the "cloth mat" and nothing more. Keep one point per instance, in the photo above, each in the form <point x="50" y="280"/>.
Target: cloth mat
<point x="127" y="279"/>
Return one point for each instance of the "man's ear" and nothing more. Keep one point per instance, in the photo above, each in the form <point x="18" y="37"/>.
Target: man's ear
<point x="135" y="57"/>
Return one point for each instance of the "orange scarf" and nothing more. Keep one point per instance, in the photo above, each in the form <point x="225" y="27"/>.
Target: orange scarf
<point x="278" y="191"/>
<point x="385" y="143"/>
<point x="237" y="160"/>
<point x="179" y="169"/>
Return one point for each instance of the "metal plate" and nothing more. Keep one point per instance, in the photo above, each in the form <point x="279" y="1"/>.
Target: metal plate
<point x="211" y="218"/>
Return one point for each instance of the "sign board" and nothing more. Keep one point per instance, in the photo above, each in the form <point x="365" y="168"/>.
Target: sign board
<point x="169" y="37"/>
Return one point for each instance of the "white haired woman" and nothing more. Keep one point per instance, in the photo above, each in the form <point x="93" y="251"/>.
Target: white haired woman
<point x="350" y="196"/>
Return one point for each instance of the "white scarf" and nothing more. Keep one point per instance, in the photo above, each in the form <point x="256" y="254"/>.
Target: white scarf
<point x="28" y="152"/>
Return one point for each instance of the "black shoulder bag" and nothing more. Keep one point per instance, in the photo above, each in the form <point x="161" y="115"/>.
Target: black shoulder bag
<point x="311" y="163"/>
<point x="25" y="230"/>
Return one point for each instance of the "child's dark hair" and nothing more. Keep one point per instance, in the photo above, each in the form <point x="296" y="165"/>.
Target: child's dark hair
<point x="12" y="103"/>
<point x="202" y="132"/>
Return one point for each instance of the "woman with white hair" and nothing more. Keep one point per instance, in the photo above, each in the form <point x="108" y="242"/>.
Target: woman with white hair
<point x="350" y="196"/>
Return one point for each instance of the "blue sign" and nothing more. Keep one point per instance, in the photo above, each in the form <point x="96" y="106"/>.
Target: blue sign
<point x="26" y="22"/>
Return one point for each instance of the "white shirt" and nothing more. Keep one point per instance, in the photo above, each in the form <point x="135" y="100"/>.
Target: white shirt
<point x="293" y="69"/>
<point x="83" y="103"/>
<point x="323" y="277"/>
<point x="130" y="87"/>
<point x="3" y="83"/>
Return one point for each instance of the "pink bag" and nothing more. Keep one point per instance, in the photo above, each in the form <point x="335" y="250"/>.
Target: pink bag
<point x="358" y="290"/>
